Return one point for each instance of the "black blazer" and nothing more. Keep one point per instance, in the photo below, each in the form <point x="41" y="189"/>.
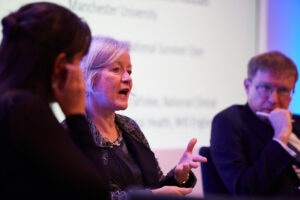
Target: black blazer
<point x="247" y="159"/>
<point x="139" y="149"/>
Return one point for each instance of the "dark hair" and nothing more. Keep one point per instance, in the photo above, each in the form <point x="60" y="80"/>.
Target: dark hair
<point x="273" y="61"/>
<point x="33" y="36"/>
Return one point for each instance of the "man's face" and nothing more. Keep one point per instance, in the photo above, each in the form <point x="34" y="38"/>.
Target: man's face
<point x="268" y="90"/>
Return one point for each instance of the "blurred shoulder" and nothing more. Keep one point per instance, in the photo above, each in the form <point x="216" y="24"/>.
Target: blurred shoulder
<point x="26" y="98"/>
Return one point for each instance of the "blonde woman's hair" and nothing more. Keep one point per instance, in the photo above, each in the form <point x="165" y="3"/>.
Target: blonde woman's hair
<point x="102" y="52"/>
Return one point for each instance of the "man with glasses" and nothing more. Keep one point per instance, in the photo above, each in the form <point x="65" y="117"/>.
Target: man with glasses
<point x="255" y="146"/>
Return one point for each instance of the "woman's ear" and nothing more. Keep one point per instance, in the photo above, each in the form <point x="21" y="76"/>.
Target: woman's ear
<point x="59" y="64"/>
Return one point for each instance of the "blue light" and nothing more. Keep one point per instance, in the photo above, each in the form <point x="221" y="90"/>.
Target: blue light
<point x="284" y="35"/>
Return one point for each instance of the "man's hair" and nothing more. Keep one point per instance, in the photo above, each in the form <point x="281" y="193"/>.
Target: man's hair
<point x="33" y="37"/>
<point x="273" y="61"/>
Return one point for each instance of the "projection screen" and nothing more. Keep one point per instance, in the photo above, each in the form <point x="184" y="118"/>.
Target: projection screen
<point x="189" y="59"/>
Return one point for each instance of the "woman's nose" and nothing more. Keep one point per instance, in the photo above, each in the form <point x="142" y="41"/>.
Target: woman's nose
<point x="126" y="77"/>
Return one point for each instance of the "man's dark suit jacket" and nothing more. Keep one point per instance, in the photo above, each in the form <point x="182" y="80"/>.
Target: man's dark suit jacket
<point x="247" y="159"/>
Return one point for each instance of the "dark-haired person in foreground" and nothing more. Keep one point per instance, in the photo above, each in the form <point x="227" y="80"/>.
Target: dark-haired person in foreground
<point x="40" y="53"/>
<point x="255" y="146"/>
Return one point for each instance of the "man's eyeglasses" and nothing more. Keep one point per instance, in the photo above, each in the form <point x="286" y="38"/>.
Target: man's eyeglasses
<point x="265" y="90"/>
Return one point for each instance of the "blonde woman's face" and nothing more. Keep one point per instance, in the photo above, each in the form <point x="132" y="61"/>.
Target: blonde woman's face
<point x="113" y="84"/>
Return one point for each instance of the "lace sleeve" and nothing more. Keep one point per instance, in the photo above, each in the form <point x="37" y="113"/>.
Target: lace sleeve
<point x="119" y="195"/>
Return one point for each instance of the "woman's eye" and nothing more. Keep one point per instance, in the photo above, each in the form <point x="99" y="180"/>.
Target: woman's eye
<point x="129" y="72"/>
<point x="116" y="69"/>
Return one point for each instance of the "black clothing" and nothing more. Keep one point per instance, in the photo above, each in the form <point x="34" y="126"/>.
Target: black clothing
<point x="136" y="167"/>
<point x="246" y="157"/>
<point x="38" y="155"/>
